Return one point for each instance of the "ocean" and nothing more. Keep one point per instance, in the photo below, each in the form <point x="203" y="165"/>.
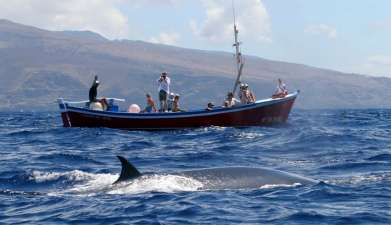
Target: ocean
<point x="55" y="175"/>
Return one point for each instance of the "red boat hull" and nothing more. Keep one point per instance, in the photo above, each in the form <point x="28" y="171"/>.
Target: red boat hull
<point x="265" y="112"/>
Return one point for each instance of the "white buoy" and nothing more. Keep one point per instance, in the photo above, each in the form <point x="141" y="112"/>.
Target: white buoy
<point x="134" y="108"/>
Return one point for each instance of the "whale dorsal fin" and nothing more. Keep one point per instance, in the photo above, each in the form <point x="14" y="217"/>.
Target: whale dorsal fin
<point x="128" y="171"/>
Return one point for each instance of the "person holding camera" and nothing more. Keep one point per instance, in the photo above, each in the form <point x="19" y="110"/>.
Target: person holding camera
<point x="164" y="90"/>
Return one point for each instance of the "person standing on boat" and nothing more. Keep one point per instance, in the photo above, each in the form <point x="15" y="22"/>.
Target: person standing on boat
<point x="94" y="90"/>
<point x="164" y="90"/>
<point x="94" y="103"/>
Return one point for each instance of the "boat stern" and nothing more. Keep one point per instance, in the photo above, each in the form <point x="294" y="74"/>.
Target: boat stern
<point x="64" y="113"/>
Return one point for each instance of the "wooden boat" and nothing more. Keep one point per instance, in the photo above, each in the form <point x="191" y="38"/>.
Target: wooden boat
<point x="262" y="112"/>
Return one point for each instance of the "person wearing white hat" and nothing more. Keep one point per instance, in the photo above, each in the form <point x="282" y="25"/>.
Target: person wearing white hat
<point x="245" y="95"/>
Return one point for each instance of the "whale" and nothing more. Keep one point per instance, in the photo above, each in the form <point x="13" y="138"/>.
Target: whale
<point x="225" y="177"/>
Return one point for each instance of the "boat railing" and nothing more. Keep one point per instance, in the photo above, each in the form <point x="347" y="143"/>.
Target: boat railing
<point x="87" y="101"/>
<point x="63" y="104"/>
<point x="277" y="99"/>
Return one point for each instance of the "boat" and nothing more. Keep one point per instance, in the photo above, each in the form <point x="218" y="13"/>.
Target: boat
<point x="263" y="112"/>
<point x="268" y="111"/>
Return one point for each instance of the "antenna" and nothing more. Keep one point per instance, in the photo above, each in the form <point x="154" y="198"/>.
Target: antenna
<point x="238" y="54"/>
<point x="233" y="12"/>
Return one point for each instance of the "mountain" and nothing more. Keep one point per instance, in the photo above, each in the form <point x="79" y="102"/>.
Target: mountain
<point x="38" y="66"/>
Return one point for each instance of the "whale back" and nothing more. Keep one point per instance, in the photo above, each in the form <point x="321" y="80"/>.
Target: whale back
<point x="244" y="177"/>
<point x="227" y="177"/>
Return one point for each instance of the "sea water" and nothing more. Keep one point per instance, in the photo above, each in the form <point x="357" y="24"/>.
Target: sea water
<point x="55" y="175"/>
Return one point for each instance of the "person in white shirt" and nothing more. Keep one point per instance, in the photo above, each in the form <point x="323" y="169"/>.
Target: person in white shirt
<point x="164" y="89"/>
<point x="281" y="90"/>
<point x="230" y="101"/>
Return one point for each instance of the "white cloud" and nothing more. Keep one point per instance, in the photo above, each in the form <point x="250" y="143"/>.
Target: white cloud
<point x="376" y="65"/>
<point x="322" y="29"/>
<point x="252" y="19"/>
<point x="101" y="16"/>
<point x="380" y="25"/>
<point x="166" y="38"/>
<point x="162" y="2"/>
<point x="143" y="3"/>
<point x="381" y="60"/>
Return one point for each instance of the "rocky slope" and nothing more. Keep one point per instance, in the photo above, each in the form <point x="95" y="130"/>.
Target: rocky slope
<point x="37" y="66"/>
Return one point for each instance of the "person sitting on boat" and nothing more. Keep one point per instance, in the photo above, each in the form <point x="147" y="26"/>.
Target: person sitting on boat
<point x="94" y="90"/>
<point x="251" y="95"/>
<point x="231" y="100"/>
<point x="245" y="95"/>
<point x="210" y="106"/>
<point x="170" y="101"/>
<point x="150" y="104"/>
<point x="226" y="104"/>
<point x="176" y="107"/>
<point x="164" y="89"/>
<point x="281" y="90"/>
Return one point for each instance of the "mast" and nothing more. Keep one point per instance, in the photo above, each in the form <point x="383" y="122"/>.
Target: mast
<point x="238" y="54"/>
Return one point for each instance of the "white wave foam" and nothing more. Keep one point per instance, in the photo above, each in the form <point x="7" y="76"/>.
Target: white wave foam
<point x="103" y="183"/>
<point x="214" y="128"/>
<point x="362" y="178"/>
<point x="368" y="178"/>
<point x="96" y="183"/>
<point x="270" y="186"/>
<point x="158" y="183"/>
<point x="75" y="175"/>
<point x="250" y="135"/>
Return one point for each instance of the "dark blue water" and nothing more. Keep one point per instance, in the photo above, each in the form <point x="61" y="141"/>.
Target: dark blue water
<point x="55" y="175"/>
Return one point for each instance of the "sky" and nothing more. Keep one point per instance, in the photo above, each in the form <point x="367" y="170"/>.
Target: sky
<point x="352" y="36"/>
